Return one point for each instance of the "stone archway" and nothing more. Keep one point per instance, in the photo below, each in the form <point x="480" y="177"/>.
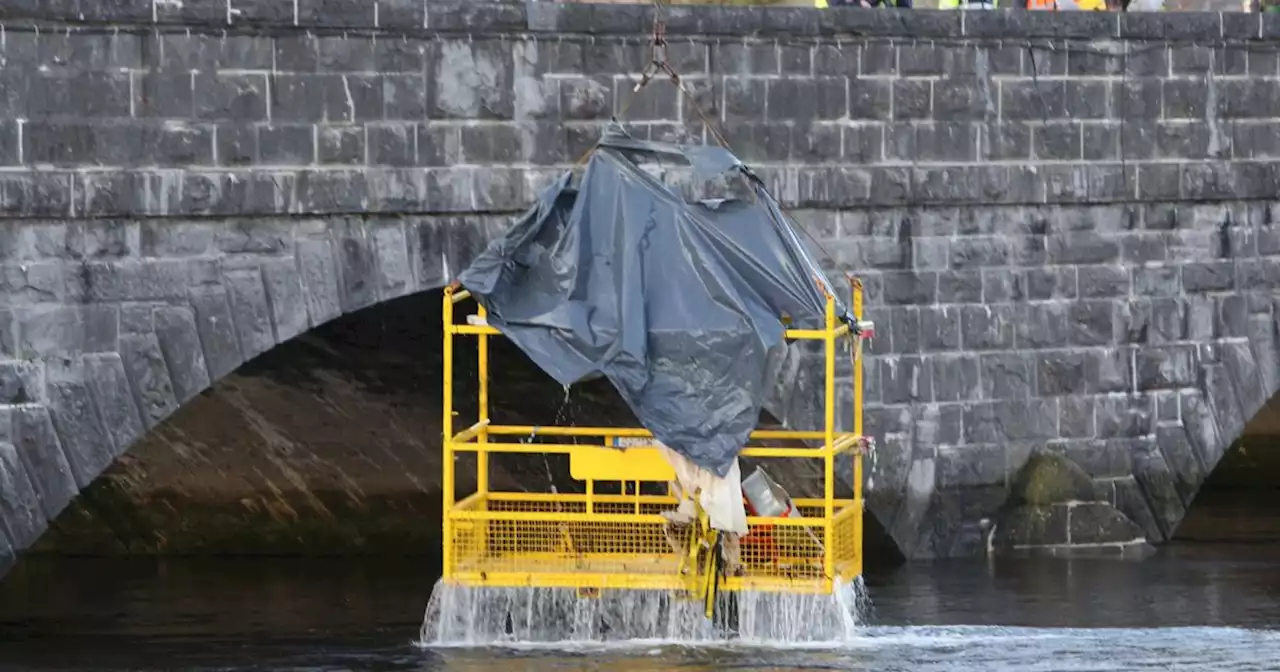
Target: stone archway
<point x="113" y="326"/>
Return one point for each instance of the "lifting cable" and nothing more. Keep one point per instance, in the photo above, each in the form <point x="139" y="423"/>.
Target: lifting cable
<point x="658" y="64"/>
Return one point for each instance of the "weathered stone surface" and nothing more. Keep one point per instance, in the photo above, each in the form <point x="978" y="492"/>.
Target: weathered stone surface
<point x="319" y="280"/>
<point x="23" y="518"/>
<point x="21" y="382"/>
<point x="1047" y="478"/>
<point x="284" y="291"/>
<point x="58" y="331"/>
<point x="43" y="459"/>
<point x="217" y="331"/>
<point x="84" y="439"/>
<point x="1086" y="277"/>
<point x="1031" y="525"/>
<point x="248" y="297"/>
<point x="105" y="375"/>
<point x="148" y="377"/>
<point x="1099" y="523"/>
<point x="175" y="329"/>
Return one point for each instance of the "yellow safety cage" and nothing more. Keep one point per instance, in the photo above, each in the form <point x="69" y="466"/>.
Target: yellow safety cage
<point x="596" y="540"/>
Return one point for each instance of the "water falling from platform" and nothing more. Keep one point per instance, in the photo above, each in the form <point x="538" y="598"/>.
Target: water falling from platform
<point x="472" y="616"/>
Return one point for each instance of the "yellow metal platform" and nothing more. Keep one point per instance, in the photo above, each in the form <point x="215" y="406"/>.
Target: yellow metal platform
<point x="592" y="541"/>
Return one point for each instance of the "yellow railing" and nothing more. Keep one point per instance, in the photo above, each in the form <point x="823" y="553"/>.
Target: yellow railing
<point x="602" y="540"/>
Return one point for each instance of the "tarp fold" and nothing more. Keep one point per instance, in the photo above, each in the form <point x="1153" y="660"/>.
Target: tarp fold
<point x="678" y="304"/>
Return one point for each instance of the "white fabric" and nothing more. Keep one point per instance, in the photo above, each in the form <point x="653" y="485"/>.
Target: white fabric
<point x="721" y="498"/>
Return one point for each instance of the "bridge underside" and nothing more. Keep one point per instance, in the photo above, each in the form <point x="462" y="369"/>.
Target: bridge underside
<point x="1240" y="501"/>
<point x="325" y="445"/>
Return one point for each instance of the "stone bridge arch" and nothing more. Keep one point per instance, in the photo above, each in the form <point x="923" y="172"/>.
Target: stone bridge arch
<point x="113" y="326"/>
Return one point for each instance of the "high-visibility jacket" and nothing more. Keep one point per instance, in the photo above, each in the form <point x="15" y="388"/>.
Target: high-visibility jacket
<point x="967" y="4"/>
<point x="901" y="4"/>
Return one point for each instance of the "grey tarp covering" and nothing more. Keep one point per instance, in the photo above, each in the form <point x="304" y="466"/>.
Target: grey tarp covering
<point x="678" y="304"/>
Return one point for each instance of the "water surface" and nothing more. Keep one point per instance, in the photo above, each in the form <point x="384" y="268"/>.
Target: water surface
<point x="1184" y="609"/>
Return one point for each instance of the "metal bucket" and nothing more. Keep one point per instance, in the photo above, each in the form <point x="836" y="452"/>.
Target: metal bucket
<point x="767" y="498"/>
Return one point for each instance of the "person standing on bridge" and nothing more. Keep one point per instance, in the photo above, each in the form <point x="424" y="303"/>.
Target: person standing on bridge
<point x="823" y="4"/>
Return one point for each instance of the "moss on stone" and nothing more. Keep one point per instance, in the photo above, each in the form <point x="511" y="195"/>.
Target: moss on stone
<point x="1047" y="478"/>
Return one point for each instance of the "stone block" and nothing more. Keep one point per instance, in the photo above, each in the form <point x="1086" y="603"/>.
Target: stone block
<point x="163" y="238"/>
<point x="391" y="252"/>
<point x="1061" y="372"/>
<point x="251" y="312"/>
<point x="1048" y="477"/>
<point x="20" y="512"/>
<point x="40" y="282"/>
<point x="236" y="144"/>
<point x="149" y="377"/>
<point x="104" y="374"/>
<point x="289" y="307"/>
<point x="8" y="333"/>
<point x="135" y="317"/>
<point x="1093" y="322"/>
<point x="179" y="341"/>
<point x="958" y="523"/>
<point x="1098" y="282"/>
<point x="320" y="281"/>
<point x="41" y="456"/>
<point x="955" y="377"/>
<point x="1123" y="416"/>
<point x="299" y="98"/>
<point x="511" y="17"/>
<point x="21" y="382"/>
<point x="904" y="329"/>
<point x="283" y="144"/>
<point x="80" y="430"/>
<point x="1039" y="284"/>
<point x="1098" y="523"/>
<point x="332" y="191"/>
<point x="1184" y="464"/>
<point x="909" y="287"/>
<point x="1006" y="376"/>
<point x="1075" y="417"/>
<point x="905" y="379"/>
<point x="471" y="80"/>
<point x="1043" y="325"/>
<point x="1225" y="404"/>
<point x="1106" y="458"/>
<point x="959" y="467"/>
<point x="187" y="51"/>
<point x="256" y="237"/>
<point x="940" y="329"/>
<point x="1011" y="420"/>
<point x="148" y="279"/>
<point x="217" y="329"/>
<point x="1030" y="525"/>
<point x="392" y="144"/>
<point x="404" y="97"/>
<point x="987" y="327"/>
<point x="47" y="331"/>
<point x="1166" y="367"/>
<point x="1132" y="502"/>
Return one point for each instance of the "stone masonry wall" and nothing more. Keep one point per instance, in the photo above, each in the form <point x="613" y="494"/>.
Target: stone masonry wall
<point x="1064" y="221"/>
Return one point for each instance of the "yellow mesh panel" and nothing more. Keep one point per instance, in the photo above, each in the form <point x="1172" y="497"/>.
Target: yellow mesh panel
<point x="554" y="541"/>
<point x="589" y="539"/>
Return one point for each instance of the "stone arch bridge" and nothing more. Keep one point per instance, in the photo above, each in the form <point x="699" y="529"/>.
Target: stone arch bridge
<point x="1065" y="223"/>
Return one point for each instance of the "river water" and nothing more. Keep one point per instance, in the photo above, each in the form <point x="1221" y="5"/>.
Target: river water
<point x="1208" y="608"/>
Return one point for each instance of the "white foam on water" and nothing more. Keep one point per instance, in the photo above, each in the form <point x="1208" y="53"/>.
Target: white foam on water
<point x="464" y="616"/>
